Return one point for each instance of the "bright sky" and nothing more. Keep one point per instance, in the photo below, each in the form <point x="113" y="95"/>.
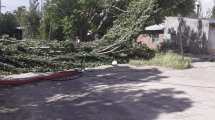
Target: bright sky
<point x="207" y="6"/>
<point x="12" y="5"/>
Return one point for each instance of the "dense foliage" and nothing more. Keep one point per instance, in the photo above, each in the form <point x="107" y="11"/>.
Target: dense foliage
<point x="85" y="19"/>
<point x="27" y="20"/>
<point x="213" y="13"/>
<point x="8" y="24"/>
<point x="45" y="56"/>
<point x="89" y="20"/>
<point x="96" y="30"/>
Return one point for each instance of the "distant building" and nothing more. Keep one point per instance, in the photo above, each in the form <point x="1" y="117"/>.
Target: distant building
<point x="152" y="36"/>
<point x="19" y="33"/>
<point x="197" y="35"/>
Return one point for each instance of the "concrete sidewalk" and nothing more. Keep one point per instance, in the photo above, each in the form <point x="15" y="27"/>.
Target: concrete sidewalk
<point x="117" y="93"/>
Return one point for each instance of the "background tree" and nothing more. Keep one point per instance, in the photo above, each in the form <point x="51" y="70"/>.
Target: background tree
<point x="21" y="14"/>
<point x="83" y="18"/>
<point x="213" y="13"/>
<point x="8" y="24"/>
<point x="29" y="19"/>
<point x="33" y="19"/>
<point x="22" y="19"/>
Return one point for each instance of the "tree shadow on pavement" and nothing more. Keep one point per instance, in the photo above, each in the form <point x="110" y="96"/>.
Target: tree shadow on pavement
<point x="116" y="93"/>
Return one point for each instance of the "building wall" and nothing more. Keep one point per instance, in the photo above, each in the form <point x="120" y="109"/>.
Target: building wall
<point x="173" y="22"/>
<point x="193" y="32"/>
<point x="211" y="41"/>
<point x="149" y="42"/>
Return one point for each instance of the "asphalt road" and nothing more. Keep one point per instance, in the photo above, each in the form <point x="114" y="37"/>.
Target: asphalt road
<point x="117" y="93"/>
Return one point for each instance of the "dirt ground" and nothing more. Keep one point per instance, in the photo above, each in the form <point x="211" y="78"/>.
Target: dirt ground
<point x="117" y="93"/>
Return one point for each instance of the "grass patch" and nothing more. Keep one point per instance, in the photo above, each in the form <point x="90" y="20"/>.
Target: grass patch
<point x="170" y="60"/>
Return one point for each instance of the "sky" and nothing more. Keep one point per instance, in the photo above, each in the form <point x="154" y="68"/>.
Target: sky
<point x="207" y="6"/>
<point x="12" y="5"/>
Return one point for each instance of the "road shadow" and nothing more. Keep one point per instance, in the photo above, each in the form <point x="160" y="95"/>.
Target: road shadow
<point x="201" y="58"/>
<point x="116" y="93"/>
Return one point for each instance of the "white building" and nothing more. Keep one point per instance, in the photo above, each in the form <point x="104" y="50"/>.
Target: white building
<point x="199" y="34"/>
<point x="206" y="7"/>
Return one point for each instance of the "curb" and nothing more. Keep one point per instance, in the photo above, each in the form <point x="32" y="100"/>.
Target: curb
<point x="52" y="76"/>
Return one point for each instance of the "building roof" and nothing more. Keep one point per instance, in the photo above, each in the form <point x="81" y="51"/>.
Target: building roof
<point x="156" y="27"/>
<point x="20" y="28"/>
<point x="210" y="20"/>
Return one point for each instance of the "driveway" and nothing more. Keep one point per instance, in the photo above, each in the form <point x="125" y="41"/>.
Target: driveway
<point x="117" y="93"/>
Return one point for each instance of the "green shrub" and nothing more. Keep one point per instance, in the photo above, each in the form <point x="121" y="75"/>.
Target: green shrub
<point x="170" y="60"/>
<point x="139" y="51"/>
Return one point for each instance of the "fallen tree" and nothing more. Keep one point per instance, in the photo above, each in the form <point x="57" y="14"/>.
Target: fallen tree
<point x="118" y="43"/>
<point x="140" y="13"/>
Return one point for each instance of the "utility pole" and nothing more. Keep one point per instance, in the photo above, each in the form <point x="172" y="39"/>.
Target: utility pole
<point x="181" y="32"/>
<point x="198" y="8"/>
<point x="1" y="6"/>
<point x="41" y="5"/>
<point x="42" y="8"/>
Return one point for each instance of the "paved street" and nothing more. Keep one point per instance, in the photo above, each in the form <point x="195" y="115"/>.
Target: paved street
<point x="117" y="93"/>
